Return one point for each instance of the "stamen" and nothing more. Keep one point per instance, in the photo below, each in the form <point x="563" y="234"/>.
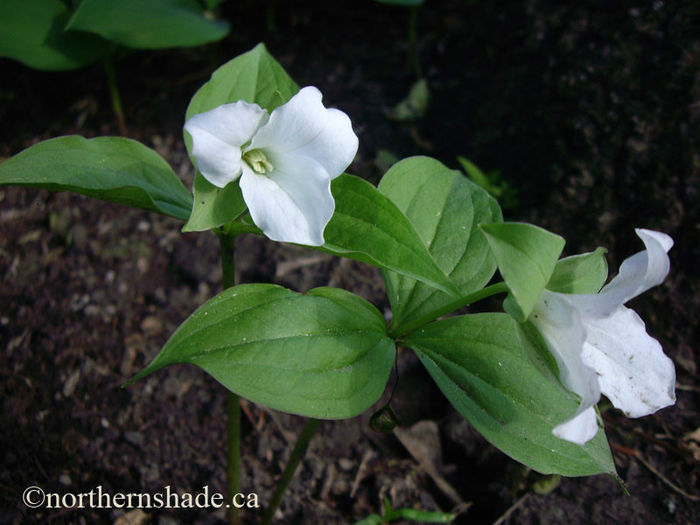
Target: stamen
<point x="258" y="162"/>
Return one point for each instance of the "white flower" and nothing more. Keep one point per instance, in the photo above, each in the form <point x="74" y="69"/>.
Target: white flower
<point x="285" y="160"/>
<point x="602" y="346"/>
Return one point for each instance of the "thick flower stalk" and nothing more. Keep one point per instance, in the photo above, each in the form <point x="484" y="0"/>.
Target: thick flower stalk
<point x="284" y="161"/>
<point x="602" y="347"/>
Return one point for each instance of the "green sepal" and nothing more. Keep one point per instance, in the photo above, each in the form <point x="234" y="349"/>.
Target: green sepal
<point x="580" y="274"/>
<point x="526" y="256"/>
<point x="214" y="207"/>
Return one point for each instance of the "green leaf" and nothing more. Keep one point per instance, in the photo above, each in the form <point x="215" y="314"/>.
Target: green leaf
<point x="110" y="168"/>
<point x="445" y="209"/>
<point x="372" y="519"/>
<point x="580" y="274"/>
<point x="478" y="176"/>
<point x="367" y="226"/>
<point x="499" y="375"/>
<point x="255" y="77"/>
<point x="526" y="256"/>
<point x="324" y="354"/>
<point x="492" y="182"/>
<point x="148" y="24"/>
<point x="31" y="31"/>
<point x="414" y="106"/>
<point x="420" y="516"/>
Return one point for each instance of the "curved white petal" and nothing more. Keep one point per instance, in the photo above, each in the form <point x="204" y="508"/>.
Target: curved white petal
<point x="560" y="324"/>
<point x="580" y="429"/>
<point x="220" y="163"/>
<point x="305" y="128"/>
<point x="217" y="137"/>
<point x="292" y="203"/>
<point x="334" y="147"/>
<point x="638" y="273"/>
<point x="293" y="124"/>
<point x="633" y="372"/>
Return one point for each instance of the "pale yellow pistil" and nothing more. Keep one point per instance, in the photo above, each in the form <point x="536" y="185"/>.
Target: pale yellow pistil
<point x="258" y="162"/>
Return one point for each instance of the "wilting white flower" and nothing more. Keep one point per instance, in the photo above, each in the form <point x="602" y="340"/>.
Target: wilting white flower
<point x="285" y="160"/>
<point x="602" y="346"/>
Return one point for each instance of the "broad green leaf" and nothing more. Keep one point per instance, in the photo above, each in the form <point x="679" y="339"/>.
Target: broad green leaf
<point x="367" y="226"/>
<point x="255" y="77"/>
<point x="324" y="354"/>
<point x="31" y="31"/>
<point x="499" y="375"/>
<point x="526" y="256"/>
<point x="580" y="274"/>
<point x="148" y="24"/>
<point x="110" y="168"/>
<point x="445" y="209"/>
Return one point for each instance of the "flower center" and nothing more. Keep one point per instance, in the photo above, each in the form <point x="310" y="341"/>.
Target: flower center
<point x="258" y="162"/>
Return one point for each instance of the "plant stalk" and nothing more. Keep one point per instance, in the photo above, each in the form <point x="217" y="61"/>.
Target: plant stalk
<point x="233" y="406"/>
<point x="288" y="474"/>
<point x="114" y="94"/>
<point x="412" y="54"/>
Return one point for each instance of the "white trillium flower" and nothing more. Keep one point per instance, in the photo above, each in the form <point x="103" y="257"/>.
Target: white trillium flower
<point x="285" y="160"/>
<point x="602" y="347"/>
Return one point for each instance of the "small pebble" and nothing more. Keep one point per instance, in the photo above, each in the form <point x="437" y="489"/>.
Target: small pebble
<point x="135" y="438"/>
<point x="346" y="464"/>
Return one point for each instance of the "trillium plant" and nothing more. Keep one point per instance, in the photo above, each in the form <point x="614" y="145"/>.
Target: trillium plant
<point x="270" y="160"/>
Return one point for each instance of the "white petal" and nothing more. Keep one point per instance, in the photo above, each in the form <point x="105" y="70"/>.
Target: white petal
<point x="334" y="147"/>
<point x="581" y="428"/>
<point x="292" y="203"/>
<point x="560" y="324"/>
<point x="293" y="124"/>
<point x="305" y="128"/>
<point x="633" y="371"/>
<point x="217" y="137"/>
<point x="638" y="273"/>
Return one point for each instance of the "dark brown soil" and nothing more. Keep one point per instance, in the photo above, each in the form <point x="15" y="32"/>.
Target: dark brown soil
<point x="590" y="111"/>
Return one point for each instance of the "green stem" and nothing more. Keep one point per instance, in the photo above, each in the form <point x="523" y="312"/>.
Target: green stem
<point x="114" y="94"/>
<point x="233" y="407"/>
<point x="271" y="17"/>
<point x="227" y="240"/>
<point x="488" y="291"/>
<point x="294" y="459"/>
<point x="411" y="58"/>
